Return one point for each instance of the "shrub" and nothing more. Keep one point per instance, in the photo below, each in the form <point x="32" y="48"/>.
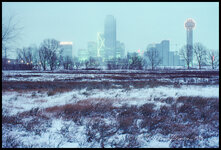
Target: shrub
<point x="126" y="123"/>
<point x="165" y="111"/>
<point x="51" y="93"/>
<point x="11" y="142"/>
<point x="186" y="139"/>
<point x="185" y="108"/>
<point x="169" y="100"/>
<point x="131" y="141"/>
<point x="127" y="116"/>
<point x="147" y="109"/>
<point x="14" y="120"/>
<point x="33" y="94"/>
<point x="98" y="130"/>
<point x="39" y="121"/>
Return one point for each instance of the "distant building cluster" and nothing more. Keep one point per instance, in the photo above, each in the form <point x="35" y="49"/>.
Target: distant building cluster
<point x="168" y="58"/>
<point x="105" y="48"/>
<point x="108" y="47"/>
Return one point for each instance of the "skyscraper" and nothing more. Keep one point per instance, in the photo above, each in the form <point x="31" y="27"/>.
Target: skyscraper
<point x="160" y="51"/>
<point x="165" y="44"/>
<point x="189" y="25"/>
<point x="171" y="58"/>
<point x="110" y="37"/>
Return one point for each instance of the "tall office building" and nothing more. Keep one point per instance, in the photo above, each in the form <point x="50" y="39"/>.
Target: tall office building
<point x="189" y="25"/>
<point x="110" y="37"/>
<point x="92" y="49"/>
<point x="177" y="59"/>
<point x="67" y="48"/>
<point x="163" y="49"/>
<point x="171" y="58"/>
<point x="160" y="52"/>
<point x="165" y="44"/>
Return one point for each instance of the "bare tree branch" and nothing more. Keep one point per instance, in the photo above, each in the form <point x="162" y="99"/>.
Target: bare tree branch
<point x="154" y="57"/>
<point x="213" y="58"/>
<point x="48" y="53"/>
<point x="185" y="52"/>
<point x="10" y="33"/>
<point x="200" y="53"/>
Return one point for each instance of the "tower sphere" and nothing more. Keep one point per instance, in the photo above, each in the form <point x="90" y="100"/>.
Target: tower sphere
<point x="189" y="23"/>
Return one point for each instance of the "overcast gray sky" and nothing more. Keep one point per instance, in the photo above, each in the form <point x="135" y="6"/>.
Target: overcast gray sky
<point x="138" y="23"/>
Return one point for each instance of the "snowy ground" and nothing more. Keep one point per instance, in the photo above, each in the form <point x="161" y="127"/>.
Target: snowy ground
<point x="118" y="117"/>
<point x="26" y="101"/>
<point x="115" y="75"/>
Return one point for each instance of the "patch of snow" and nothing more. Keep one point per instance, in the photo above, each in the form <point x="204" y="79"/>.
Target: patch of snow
<point x="70" y="145"/>
<point x="25" y="101"/>
<point x="213" y="142"/>
<point x="158" y="142"/>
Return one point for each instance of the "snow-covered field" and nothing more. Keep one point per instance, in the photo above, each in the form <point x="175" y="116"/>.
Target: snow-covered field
<point x="26" y="101"/>
<point x="118" y="75"/>
<point x="148" y="117"/>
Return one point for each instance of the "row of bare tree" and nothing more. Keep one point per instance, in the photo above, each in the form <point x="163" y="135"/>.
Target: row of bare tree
<point x="47" y="55"/>
<point x="202" y="54"/>
<point x="11" y="32"/>
<point x="50" y="54"/>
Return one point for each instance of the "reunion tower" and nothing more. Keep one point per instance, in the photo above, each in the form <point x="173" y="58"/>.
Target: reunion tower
<point x="189" y="25"/>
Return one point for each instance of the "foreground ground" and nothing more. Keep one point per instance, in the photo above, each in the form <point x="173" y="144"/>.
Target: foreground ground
<point x="110" y="109"/>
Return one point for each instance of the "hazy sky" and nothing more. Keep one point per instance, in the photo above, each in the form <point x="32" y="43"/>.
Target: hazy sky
<point x="138" y="23"/>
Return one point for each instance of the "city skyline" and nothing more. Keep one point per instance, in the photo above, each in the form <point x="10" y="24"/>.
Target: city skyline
<point x="137" y="24"/>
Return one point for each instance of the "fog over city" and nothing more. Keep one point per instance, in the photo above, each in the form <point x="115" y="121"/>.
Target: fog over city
<point x="110" y="75"/>
<point x="137" y="23"/>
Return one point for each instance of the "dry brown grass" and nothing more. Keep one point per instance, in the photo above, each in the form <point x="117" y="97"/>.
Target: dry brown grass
<point x="180" y="121"/>
<point x="40" y="101"/>
<point x="88" y="107"/>
<point x="13" y="120"/>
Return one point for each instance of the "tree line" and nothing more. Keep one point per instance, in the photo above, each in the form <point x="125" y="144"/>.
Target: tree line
<point x="203" y="56"/>
<point x="49" y="55"/>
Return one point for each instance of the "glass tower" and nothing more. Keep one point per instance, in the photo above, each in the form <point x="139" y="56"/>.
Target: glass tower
<point x="110" y="37"/>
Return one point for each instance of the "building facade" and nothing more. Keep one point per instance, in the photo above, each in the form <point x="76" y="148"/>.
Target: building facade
<point x="160" y="52"/>
<point x="66" y="49"/>
<point x="110" y="37"/>
<point x="92" y="49"/>
<point x="168" y="58"/>
<point x="171" y="59"/>
<point x="120" y="49"/>
<point x="163" y="49"/>
<point x="177" y="61"/>
<point x="165" y="44"/>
